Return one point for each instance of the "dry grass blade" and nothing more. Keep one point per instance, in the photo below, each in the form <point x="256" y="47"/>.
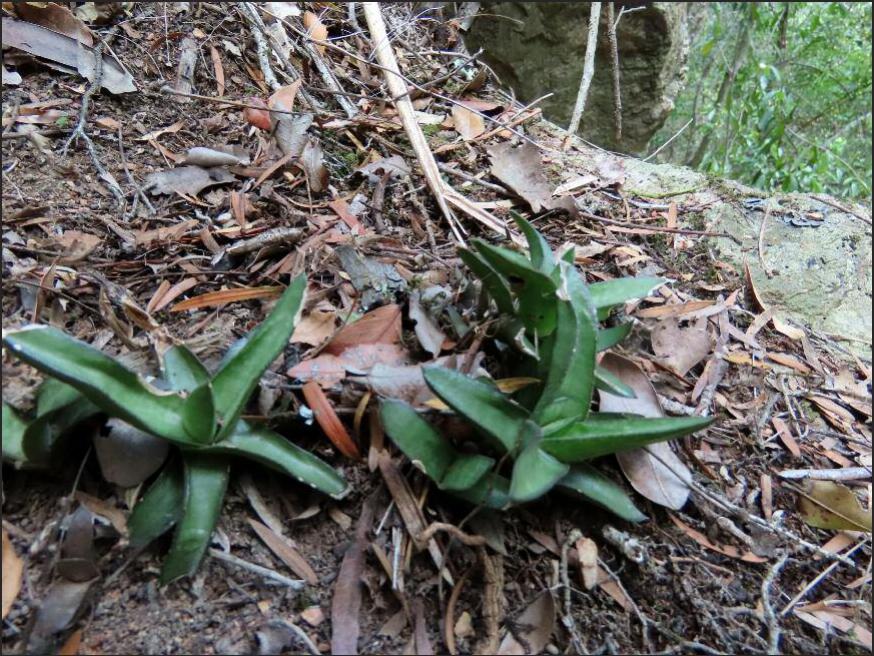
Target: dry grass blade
<point x="225" y="296"/>
<point x="285" y="552"/>
<point x="329" y="421"/>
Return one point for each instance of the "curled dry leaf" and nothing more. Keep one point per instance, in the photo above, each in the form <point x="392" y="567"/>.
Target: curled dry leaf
<point x="224" y="296"/>
<point x="13" y="569"/>
<point x="55" y="17"/>
<point x="643" y="467"/>
<point x="315" y="327"/>
<point x="467" y="123"/>
<point x="209" y="157"/>
<point x="313" y="165"/>
<point x="379" y="326"/>
<point x="260" y="118"/>
<point x="76" y="245"/>
<point x="681" y="347"/>
<point x="726" y="550"/>
<point x="329" y="421"/>
<point x="328" y="369"/>
<point x="825" y="504"/>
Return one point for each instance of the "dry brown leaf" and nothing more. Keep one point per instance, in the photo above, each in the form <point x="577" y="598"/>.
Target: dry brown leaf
<point x="13" y="569"/>
<point x="76" y="245"/>
<point x="329" y="421"/>
<point x="785" y="435"/>
<point x="825" y="620"/>
<point x="681" y="347"/>
<point x="534" y="628"/>
<point x="316" y="29"/>
<point x="219" y="70"/>
<point x="174" y="292"/>
<point x="56" y="18"/>
<point x="467" y="123"/>
<point x="224" y="296"/>
<point x="829" y="505"/>
<point x="521" y="169"/>
<point x="256" y="116"/>
<point x="429" y="334"/>
<point x="283" y="98"/>
<point x="313" y="615"/>
<point x="313" y="165"/>
<point x="314" y="328"/>
<point x="726" y="550"/>
<point x="673" y="310"/>
<point x="71" y="645"/>
<point x="789" y="361"/>
<point x="280" y="546"/>
<point x="644" y="471"/>
<point x="154" y="134"/>
<point x="790" y="331"/>
<point x="587" y="551"/>
<point x="835" y="414"/>
<point x="379" y="326"/>
<point x="328" y="369"/>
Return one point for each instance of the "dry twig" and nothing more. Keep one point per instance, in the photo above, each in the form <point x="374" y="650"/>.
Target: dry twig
<point x="588" y="72"/>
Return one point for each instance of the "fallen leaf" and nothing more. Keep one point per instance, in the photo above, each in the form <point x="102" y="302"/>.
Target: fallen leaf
<point x="65" y="50"/>
<point x="280" y="546"/>
<point x="282" y="9"/>
<point x="533" y="628"/>
<point x="107" y="122"/>
<point x="789" y="361"/>
<point x="673" y="310"/>
<point x="313" y="615"/>
<point x="256" y="116"/>
<point x="76" y="245"/>
<point x="328" y="369"/>
<point x="646" y="473"/>
<point x="826" y="504"/>
<point x="224" y="296"/>
<point x="170" y="129"/>
<point x="71" y="645"/>
<point x="314" y="328"/>
<point x="173" y="293"/>
<point x="329" y="421"/>
<point x="116" y="517"/>
<point x="521" y="169"/>
<point x="127" y="455"/>
<point x="55" y="17"/>
<point x="836" y="415"/>
<point x="316" y="29"/>
<point x="219" y="70"/>
<point x="824" y="620"/>
<point x="681" y="347"/>
<point x="790" y="331"/>
<point x="429" y="334"/>
<point x="163" y="234"/>
<point x="785" y="435"/>
<point x="313" y="165"/>
<point x="59" y="608"/>
<point x="209" y="157"/>
<point x="188" y="180"/>
<point x="13" y="569"/>
<point x="375" y="170"/>
<point x="726" y="550"/>
<point x="467" y="123"/>
<point x="10" y="78"/>
<point x="379" y="326"/>
<point x="587" y="551"/>
<point x="420" y="629"/>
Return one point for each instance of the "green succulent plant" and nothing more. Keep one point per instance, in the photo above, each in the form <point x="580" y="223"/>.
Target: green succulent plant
<point x="198" y="413"/>
<point x="552" y="316"/>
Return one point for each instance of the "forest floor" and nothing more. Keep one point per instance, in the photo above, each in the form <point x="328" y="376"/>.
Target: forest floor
<point x="737" y="569"/>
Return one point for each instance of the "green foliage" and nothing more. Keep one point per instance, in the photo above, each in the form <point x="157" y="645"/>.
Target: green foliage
<point x="548" y="432"/>
<point x="796" y="115"/>
<point x="197" y="412"/>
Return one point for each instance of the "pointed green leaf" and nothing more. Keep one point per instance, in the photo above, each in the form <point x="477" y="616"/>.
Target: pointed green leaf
<point x="160" y="508"/>
<point x="606" y="381"/>
<point x="610" y="293"/>
<point x="492" y="491"/>
<point x="480" y="403"/>
<point x="42" y="434"/>
<point x="182" y="370"/>
<point x="534" y="474"/>
<point x="199" y="417"/>
<point x="597" y="488"/>
<point x="492" y="281"/>
<point x="534" y="289"/>
<point x="113" y="388"/>
<point x="418" y="440"/>
<point x="273" y="450"/>
<point x="512" y="331"/>
<point x="236" y="379"/>
<point x="466" y="471"/>
<point x="603" y="433"/>
<point x="538" y="248"/>
<point x="610" y="337"/>
<point x="13" y="435"/>
<point x="53" y="394"/>
<point x="569" y="382"/>
<point x="206" y="479"/>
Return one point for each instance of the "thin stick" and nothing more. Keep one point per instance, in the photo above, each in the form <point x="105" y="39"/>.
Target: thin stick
<point x="761" y="241"/>
<point x="664" y="145"/>
<point x="614" y="57"/>
<point x="846" y="474"/>
<point x="257" y="569"/>
<point x="816" y="581"/>
<point x="588" y="71"/>
<point x="454" y="531"/>
<point x="679" y="231"/>
<point x="770" y="618"/>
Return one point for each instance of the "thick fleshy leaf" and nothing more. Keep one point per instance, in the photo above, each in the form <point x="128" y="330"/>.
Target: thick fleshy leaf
<point x="53" y="394"/>
<point x="113" y="388"/>
<point x="466" y="471"/>
<point x="610" y="293"/>
<point x="610" y="337"/>
<point x="541" y="254"/>
<point x="512" y="331"/>
<point x="13" y="435"/>
<point x="567" y="392"/>
<point x="492" y="281"/>
<point x="206" y="479"/>
<point x="587" y="481"/>
<point x="273" y="450"/>
<point x="160" y="508"/>
<point x="602" y="434"/>
<point x="182" y="370"/>
<point x="418" y="440"/>
<point x="534" y="289"/>
<point x="198" y="415"/>
<point x="42" y="434"/>
<point x="608" y="382"/>
<point x="480" y="403"/>
<point x="493" y="491"/>
<point x="534" y="474"/>
<point x="236" y="379"/>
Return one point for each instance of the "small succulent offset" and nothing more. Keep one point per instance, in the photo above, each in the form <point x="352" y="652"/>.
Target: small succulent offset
<point x="548" y="312"/>
<point x="198" y="413"/>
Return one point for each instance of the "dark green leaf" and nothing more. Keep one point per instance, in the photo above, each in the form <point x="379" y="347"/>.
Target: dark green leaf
<point x="512" y="331"/>
<point x="596" y="487"/>
<point x="534" y="289"/>
<point x="534" y="474"/>
<point x="610" y="337"/>
<point x="602" y="434"/>
<point x="273" y="450"/>
<point x="42" y="433"/>
<point x="182" y="370"/>
<point x="538" y="248"/>
<point x="160" y="508"/>
<point x="106" y="383"/>
<point x="13" y="435"/>
<point x="608" y="382"/>
<point x="492" y="281"/>
<point x="206" y="479"/>
<point x="492" y="492"/>
<point x="233" y="383"/>
<point x="199" y="415"/>
<point x="466" y="471"/>
<point x="54" y="394"/>
<point x="418" y="440"/>
<point x="480" y="403"/>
